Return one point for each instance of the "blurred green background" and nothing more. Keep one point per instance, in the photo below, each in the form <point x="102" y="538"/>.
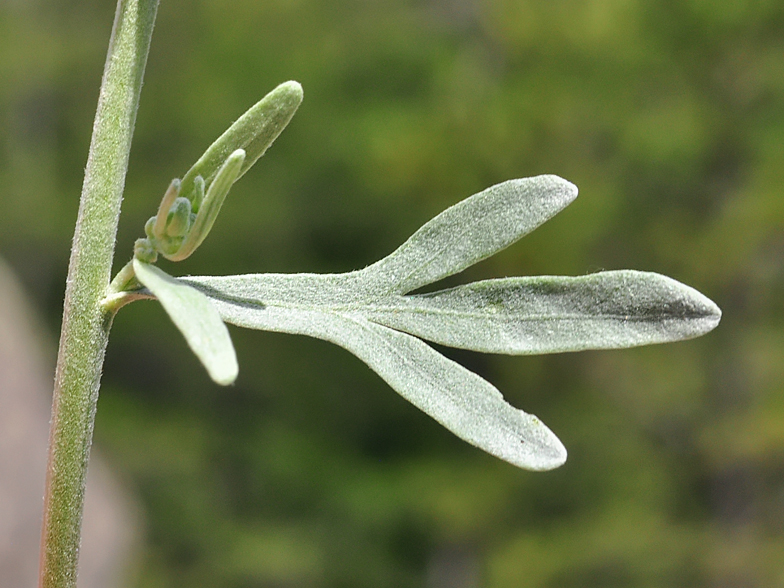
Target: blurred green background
<point x="310" y="471"/>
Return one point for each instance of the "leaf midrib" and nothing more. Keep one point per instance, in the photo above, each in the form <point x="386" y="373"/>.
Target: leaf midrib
<point x="346" y="311"/>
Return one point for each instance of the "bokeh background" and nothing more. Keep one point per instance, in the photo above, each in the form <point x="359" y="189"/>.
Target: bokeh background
<point x="310" y="471"/>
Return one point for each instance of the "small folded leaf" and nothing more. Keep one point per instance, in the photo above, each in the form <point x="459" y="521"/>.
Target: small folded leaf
<point x="472" y="230"/>
<point x="196" y="318"/>
<point x="178" y="221"/>
<point x="254" y="132"/>
<point x="460" y="400"/>
<point x="156" y="229"/>
<point x="210" y="206"/>
<point x="552" y="314"/>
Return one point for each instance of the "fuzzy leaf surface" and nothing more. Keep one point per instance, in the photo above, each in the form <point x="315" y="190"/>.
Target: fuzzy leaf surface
<point x="254" y="132"/>
<point x="517" y="316"/>
<point x="470" y="231"/>
<point x="459" y="237"/>
<point x="470" y="407"/>
<point x="368" y="313"/>
<point x="196" y="318"/>
<point x="552" y="314"/>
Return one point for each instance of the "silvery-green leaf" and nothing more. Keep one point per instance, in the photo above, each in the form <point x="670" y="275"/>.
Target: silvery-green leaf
<point x="552" y="314"/>
<point x="460" y="400"/>
<point x="196" y="318"/>
<point x="460" y="236"/>
<point x="530" y="315"/>
<point x="472" y="230"/>
<point x="307" y="290"/>
<point x="254" y="132"/>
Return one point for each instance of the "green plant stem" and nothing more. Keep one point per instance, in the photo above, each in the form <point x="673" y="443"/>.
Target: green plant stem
<point x="86" y="322"/>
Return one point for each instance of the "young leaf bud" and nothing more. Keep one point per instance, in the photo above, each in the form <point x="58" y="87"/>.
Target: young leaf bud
<point x="208" y="212"/>
<point x="144" y="251"/>
<point x="148" y="228"/>
<point x="198" y="193"/>
<point x="159" y="228"/>
<point x="178" y="221"/>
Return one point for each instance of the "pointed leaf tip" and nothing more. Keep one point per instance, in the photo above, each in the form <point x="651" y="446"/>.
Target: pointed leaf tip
<point x="196" y="318"/>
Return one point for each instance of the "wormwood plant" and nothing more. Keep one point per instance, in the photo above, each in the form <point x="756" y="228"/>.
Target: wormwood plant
<point x="370" y="312"/>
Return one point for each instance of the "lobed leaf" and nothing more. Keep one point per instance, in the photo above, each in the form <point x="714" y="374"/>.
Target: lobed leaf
<point x="196" y="318"/>
<point x="470" y="407"/>
<point x="367" y="313"/>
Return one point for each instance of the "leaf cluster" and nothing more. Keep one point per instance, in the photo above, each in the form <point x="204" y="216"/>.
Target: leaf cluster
<point x="374" y="314"/>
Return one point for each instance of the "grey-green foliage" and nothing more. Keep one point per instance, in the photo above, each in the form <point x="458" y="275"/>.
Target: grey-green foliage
<point x="370" y="312"/>
<point x="196" y="318"/>
<point x="607" y="310"/>
<point x="189" y="207"/>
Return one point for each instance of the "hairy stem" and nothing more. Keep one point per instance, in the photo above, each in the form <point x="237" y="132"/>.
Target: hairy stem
<point x="86" y="323"/>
